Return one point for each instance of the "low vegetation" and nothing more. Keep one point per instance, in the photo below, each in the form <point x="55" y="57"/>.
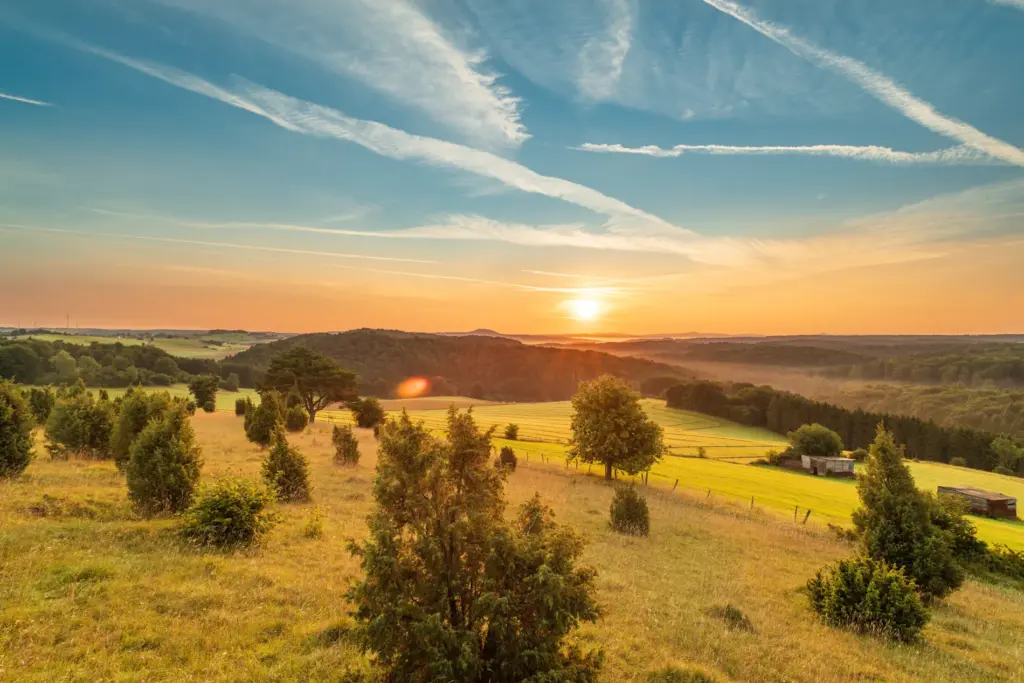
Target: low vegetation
<point x="15" y="432"/>
<point x="629" y="513"/>
<point x="286" y="471"/>
<point x="232" y="513"/>
<point x="164" y="464"/>
<point x="346" y="446"/>
<point x="80" y="425"/>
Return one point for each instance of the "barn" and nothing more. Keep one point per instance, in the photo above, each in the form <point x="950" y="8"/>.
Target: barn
<point x="828" y="466"/>
<point x="981" y="502"/>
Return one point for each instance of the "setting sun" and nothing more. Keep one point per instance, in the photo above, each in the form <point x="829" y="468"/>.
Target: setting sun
<point x="583" y="309"/>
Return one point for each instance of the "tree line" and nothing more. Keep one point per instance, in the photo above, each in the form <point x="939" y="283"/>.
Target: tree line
<point x="999" y="365"/>
<point x="783" y="412"/>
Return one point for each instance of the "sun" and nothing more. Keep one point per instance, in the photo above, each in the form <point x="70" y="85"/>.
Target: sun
<point x="583" y="309"/>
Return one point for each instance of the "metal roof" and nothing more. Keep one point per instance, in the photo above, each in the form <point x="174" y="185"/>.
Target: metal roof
<point x="977" y="493"/>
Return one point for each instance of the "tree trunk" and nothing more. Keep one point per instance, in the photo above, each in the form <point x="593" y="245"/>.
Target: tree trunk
<point x="312" y="415"/>
<point x="608" y="471"/>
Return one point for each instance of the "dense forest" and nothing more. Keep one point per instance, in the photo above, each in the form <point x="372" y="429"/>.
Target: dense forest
<point x="997" y="365"/>
<point x="782" y="412"/>
<point x="477" y="366"/>
<point x="992" y="410"/>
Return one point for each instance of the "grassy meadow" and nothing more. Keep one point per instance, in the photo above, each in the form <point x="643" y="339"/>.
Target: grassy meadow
<point x="544" y="431"/>
<point x="91" y="592"/>
<point x="225" y="399"/>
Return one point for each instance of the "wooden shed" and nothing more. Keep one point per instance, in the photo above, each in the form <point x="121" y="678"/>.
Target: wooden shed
<point x="982" y="502"/>
<point x="828" y="466"/>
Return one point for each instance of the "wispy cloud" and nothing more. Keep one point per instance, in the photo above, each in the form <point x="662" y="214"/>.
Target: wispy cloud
<point x="877" y="84"/>
<point x="1012" y="3"/>
<point x="24" y="100"/>
<point x="603" y="54"/>
<point x="959" y="155"/>
<point x="203" y="243"/>
<point x="312" y="119"/>
<point x="604" y="291"/>
<point x="391" y="46"/>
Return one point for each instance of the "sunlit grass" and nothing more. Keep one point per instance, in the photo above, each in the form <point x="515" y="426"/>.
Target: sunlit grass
<point x="89" y="592"/>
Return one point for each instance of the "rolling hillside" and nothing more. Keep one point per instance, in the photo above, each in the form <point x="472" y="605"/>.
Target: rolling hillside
<point x="479" y="366"/>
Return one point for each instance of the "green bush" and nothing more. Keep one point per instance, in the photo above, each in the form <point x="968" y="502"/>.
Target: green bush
<point x="80" y="426"/>
<point x="242" y="406"/>
<point x="204" y="388"/>
<point x="267" y="418"/>
<point x="816" y="440"/>
<point x="346" y="446"/>
<point x="232" y="513"/>
<point x="367" y="412"/>
<point x="41" y="402"/>
<point x="673" y="674"/>
<point x="999" y="469"/>
<point x="136" y="411"/>
<point x="15" y="432"/>
<point x="164" y="464"/>
<point x="629" y="514"/>
<point x="286" y="471"/>
<point x="860" y="455"/>
<point x="958" y="462"/>
<point x="511" y="431"/>
<point x="296" y="419"/>
<point x="868" y="596"/>
<point x="1004" y="560"/>
<point x="209" y="407"/>
<point x="507" y="459"/>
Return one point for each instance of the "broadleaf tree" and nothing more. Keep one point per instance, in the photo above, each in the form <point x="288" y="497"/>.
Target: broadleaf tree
<point x="609" y="427"/>
<point x="317" y="379"/>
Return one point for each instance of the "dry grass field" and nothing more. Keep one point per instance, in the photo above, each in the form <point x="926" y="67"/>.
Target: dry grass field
<point x="90" y="592"/>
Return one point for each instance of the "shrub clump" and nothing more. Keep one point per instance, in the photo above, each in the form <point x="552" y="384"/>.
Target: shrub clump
<point x="346" y="446"/>
<point x="164" y="464"/>
<point x="860" y="455"/>
<point x="243" y="406"/>
<point x="512" y="431"/>
<point x="367" y="412"/>
<point x="209" y="407"/>
<point x="296" y="419"/>
<point x="286" y="471"/>
<point x="629" y="513"/>
<point x="137" y="410"/>
<point x="80" y="425"/>
<point x="41" y="402"/>
<point x="231" y="513"/>
<point x="15" y="432"/>
<point x="868" y="596"/>
<point x="266" y="420"/>
<point x="507" y="459"/>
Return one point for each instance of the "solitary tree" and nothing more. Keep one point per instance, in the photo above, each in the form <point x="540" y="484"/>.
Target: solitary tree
<point x="609" y="426"/>
<point x="15" y="432"/>
<point x="895" y="522"/>
<point x="452" y="591"/>
<point x="317" y="379"/>
<point x="367" y="412"/>
<point x="204" y="388"/>
<point x="816" y="440"/>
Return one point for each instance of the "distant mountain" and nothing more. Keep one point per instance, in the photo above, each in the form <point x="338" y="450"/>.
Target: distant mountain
<point x="479" y="365"/>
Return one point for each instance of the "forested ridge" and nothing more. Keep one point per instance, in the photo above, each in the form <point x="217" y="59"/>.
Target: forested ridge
<point x="478" y="366"/>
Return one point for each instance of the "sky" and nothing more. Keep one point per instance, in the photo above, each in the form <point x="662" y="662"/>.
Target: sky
<point x="632" y="166"/>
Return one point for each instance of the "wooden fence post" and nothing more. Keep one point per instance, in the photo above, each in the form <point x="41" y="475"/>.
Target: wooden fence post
<point x="795" y="508"/>
<point x="708" y="496"/>
<point x="751" y="502"/>
<point x="675" y="485"/>
<point x="806" y="516"/>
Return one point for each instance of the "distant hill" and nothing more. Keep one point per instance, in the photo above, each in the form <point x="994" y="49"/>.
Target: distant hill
<point x="476" y="365"/>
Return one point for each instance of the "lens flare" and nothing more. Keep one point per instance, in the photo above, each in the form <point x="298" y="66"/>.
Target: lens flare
<point x="413" y="387"/>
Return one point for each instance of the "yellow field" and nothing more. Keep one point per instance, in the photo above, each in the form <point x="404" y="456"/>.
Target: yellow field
<point x="90" y="592"/>
<point x="544" y="431"/>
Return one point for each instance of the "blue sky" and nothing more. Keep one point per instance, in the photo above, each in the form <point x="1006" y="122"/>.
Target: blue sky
<point x="683" y="165"/>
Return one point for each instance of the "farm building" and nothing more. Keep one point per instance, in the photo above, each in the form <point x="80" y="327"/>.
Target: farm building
<point x="987" y="503"/>
<point x="827" y="466"/>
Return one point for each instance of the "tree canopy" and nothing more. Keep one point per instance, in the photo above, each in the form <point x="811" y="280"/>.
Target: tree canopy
<point x="609" y="426"/>
<point x="816" y="440"/>
<point x="317" y="379"/>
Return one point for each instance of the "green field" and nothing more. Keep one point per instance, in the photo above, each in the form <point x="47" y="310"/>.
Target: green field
<point x="544" y="432"/>
<point x="189" y="347"/>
